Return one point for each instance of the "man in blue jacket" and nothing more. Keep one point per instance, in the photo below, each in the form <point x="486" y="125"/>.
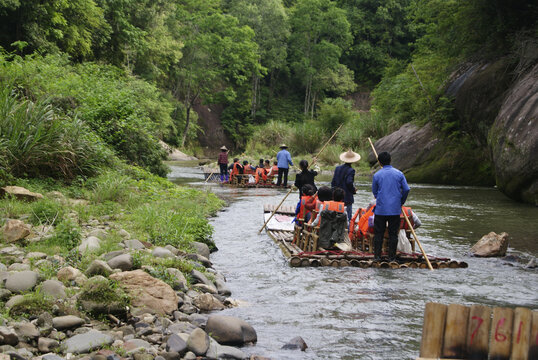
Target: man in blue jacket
<point x="344" y="176"/>
<point x="284" y="161"/>
<point x="390" y="189"/>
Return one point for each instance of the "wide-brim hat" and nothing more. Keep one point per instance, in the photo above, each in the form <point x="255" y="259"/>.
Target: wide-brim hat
<point x="350" y="156"/>
<point x="223" y="148"/>
<point x="283" y="146"/>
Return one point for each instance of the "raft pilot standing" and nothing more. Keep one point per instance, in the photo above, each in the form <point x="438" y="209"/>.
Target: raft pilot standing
<point x="223" y="163"/>
<point x="344" y="176"/>
<point x="390" y="189"/>
<point x="283" y="158"/>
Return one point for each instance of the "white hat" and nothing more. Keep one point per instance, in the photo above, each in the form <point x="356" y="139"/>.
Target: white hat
<point x="223" y="148"/>
<point x="349" y="157"/>
<point x="283" y="146"/>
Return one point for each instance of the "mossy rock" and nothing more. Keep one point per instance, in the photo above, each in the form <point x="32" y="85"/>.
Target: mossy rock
<point x="99" y="296"/>
<point x="32" y="305"/>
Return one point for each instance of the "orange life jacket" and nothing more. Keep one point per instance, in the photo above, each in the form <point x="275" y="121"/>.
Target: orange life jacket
<point x="274" y="170"/>
<point x="409" y="213"/>
<point x="247" y="169"/>
<point x="334" y="206"/>
<point x="304" y="208"/>
<point x="237" y="168"/>
<point x="353" y="221"/>
<point x="363" y="222"/>
<point x="318" y="206"/>
<point x="261" y="174"/>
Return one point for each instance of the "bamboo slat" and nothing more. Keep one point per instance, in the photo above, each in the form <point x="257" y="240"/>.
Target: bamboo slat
<point x="432" y="330"/>
<point x="501" y="333"/>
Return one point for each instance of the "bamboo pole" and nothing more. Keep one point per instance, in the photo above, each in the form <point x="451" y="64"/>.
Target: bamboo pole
<point x="406" y="218"/>
<point x="291" y="189"/>
<point x="209" y="177"/>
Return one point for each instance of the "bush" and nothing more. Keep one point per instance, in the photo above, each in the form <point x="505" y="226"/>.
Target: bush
<point x="36" y="142"/>
<point x="111" y="186"/>
<point x="46" y="212"/>
<point x="334" y="112"/>
<point x="307" y="138"/>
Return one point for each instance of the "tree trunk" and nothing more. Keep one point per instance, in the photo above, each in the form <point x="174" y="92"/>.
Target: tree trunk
<point x="255" y="84"/>
<point x="187" y="123"/>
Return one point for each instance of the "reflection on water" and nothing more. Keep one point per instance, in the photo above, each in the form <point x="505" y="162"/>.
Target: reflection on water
<point x="353" y="313"/>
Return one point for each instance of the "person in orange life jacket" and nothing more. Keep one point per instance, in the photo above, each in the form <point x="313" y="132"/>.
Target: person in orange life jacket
<point x="304" y="177"/>
<point x="247" y="168"/>
<point x="325" y="193"/>
<point x="336" y="204"/>
<point x="306" y="204"/>
<point x="343" y="177"/>
<point x="236" y="168"/>
<point x="273" y="171"/>
<point x="390" y="189"/>
<point x="223" y="163"/>
<point x="261" y="174"/>
<point x="364" y="224"/>
<point x="260" y="164"/>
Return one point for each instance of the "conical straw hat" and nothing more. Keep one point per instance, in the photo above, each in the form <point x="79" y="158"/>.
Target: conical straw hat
<point x="224" y="148"/>
<point x="283" y="146"/>
<point x="349" y="157"/>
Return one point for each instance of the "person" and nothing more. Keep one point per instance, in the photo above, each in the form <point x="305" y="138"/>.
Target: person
<point x="260" y="164"/>
<point x="283" y="158"/>
<point x="261" y="174"/>
<point x="306" y="204"/>
<point x="237" y="170"/>
<point x="305" y="177"/>
<point x="336" y="203"/>
<point x="247" y="168"/>
<point x="343" y="177"/>
<point x="272" y="172"/>
<point x="223" y="163"/>
<point x="325" y="193"/>
<point x="390" y="189"/>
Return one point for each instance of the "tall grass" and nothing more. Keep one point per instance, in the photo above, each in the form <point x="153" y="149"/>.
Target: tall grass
<point x="36" y="142"/>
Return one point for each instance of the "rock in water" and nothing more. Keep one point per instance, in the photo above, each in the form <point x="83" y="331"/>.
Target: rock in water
<point x="147" y="292"/>
<point x="229" y="330"/>
<point x="491" y="245"/>
<point x="297" y="343"/>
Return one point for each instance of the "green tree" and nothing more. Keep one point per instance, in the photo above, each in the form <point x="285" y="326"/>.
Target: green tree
<point x="75" y="26"/>
<point x="320" y="34"/>
<point x="218" y="55"/>
<point x="269" y="21"/>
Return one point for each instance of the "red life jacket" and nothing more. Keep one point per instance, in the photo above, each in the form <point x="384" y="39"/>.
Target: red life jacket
<point x="261" y="174"/>
<point x="353" y="221"/>
<point x="247" y="170"/>
<point x="237" y="168"/>
<point x="304" y="208"/>
<point x="363" y="222"/>
<point x="409" y="213"/>
<point x="337" y="206"/>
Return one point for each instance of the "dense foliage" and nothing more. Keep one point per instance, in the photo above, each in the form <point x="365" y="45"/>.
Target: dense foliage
<point x="132" y="71"/>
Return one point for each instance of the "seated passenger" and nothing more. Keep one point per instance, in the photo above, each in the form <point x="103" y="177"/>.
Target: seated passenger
<point x="336" y="204"/>
<point x="324" y="194"/>
<point x="261" y="175"/>
<point x="333" y="222"/>
<point x="273" y="171"/>
<point x="237" y="170"/>
<point x="247" y="168"/>
<point x="306" y="204"/>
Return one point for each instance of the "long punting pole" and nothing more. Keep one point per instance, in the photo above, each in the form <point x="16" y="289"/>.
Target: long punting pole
<point x="291" y="189"/>
<point x="406" y="218"/>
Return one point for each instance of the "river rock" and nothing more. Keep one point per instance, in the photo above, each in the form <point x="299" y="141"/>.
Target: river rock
<point x="89" y="244"/>
<point x="18" y="267"/>
<point x="101" y="234"/>
<point x="36" y="255"/>
<point x="513" y="139"/>
<point x="124" y="234"/>
<point x="230" y="330"/>
<point x="176" y="344"/>
<point x="180" y="282"/>
<point x="84" y="343"/>
<point x="124" y="262"/>
<point x="15" y="230"/>
<point x="51" y="357"/>
<point x="135" y="345"/>
<point x="147" y="292"/>
<point x="14" y="300"/>
<point x="8" y="336"/>
<point x="67" y="322"/>
<point x="54" y="289"/>
<point x="134" y="244"/>
<point x="531" y="264"/>
<point x="161" y="252"/>
<point x="198" y="342"/>
<point x="173" y="249"/>
<point x="26" y="331"/>
<point x="297" y="343"/>
<point x="46" y="345"/>
<point x="201" y="249"/>
<point x="68" y="273"/>
<point x="4" y="294"/>
<point x="491" y="245"/>
<point x="204" y="288"/>
<point x="20" y="193"/>
<point x="217" y="351"/>
<point x="222" y="289"/>
<point x="98" y="267"/>
<point x="174" y="154"/>
<point x="21" y="281"/>
<point x="199" y="277"/>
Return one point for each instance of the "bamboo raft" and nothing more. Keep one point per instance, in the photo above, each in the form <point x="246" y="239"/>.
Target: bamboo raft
<point x="282" y="231"/>
<point x="478" y="332"/>
<point x="243" y="183"/>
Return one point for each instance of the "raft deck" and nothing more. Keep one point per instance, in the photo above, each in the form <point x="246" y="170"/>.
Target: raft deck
<point x="281" y="229"/>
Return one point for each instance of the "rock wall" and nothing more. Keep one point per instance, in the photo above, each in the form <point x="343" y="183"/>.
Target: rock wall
<point x="212" y="135"/>
<point x="498" y="110"/>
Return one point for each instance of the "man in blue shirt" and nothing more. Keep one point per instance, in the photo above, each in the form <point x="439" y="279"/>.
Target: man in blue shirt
<point x="284" y="160"/>
<point x="344" y="176"/>
<point x="390" y="189"/>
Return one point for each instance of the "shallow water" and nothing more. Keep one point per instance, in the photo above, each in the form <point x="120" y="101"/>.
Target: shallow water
<point x="353" y="313"/>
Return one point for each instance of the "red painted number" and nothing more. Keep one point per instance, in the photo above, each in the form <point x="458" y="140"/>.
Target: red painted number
<point x="498" y="336"/>
<point x="480" y="321"/>
<point x="519" y="332"/>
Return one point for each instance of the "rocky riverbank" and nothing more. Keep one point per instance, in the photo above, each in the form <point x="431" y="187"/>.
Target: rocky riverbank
<point x="111" y="294"/>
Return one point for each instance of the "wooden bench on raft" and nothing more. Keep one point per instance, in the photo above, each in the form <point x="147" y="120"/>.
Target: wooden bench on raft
<point x="478" y="332"/>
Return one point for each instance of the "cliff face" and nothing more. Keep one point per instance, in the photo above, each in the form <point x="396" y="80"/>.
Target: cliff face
<point x="496" y="105"/>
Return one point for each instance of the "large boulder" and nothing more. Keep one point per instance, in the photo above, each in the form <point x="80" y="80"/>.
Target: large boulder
<point x="491" y="245"/>
<point x="15" y="230"/>
<point x="147" y="292"/>
<point x="230" y="330"/>
<point x="20" y="193"/>
<point x="21" y="281"/>
<point x="513" y="140"/>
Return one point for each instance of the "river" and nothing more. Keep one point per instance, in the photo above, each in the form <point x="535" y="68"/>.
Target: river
<point x="354" y="313"/>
